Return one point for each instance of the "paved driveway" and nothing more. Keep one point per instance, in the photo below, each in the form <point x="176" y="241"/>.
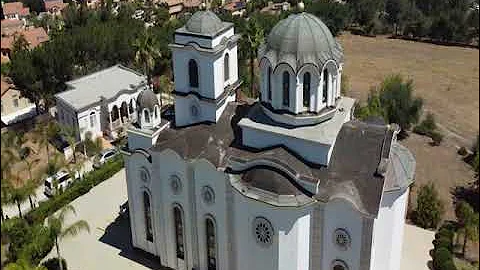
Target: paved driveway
<point x="417" y="244"/>
<point x="108" y="245"/>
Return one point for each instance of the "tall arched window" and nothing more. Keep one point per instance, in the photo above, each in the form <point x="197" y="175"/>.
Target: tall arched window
<point x="156" y="112"/>
<point x="286" y="89"/>
<point x="177" y="217"/>
<point x="269" y="83"/>
<point x="193" y="73"/>
<point x="226" y="67"/>
<point x="92" y="119"/>
<point x="211" y="245"/>
<point x="306" y="89"/>
<point x="325" y="85"/>
<point x="130" y="107"/>
<point x="146" y="115"/>
<point x="148" y="216"/>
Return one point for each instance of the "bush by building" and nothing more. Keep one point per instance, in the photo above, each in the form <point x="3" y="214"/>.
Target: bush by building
<point x="442" y="254"/>
<point x="429" y="210"/>
<point x="52" y="264"/>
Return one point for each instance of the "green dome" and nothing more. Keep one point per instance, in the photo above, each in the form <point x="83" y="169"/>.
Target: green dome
<point x="301" y="39"/>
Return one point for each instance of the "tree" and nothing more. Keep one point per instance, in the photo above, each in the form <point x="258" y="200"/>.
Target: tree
<point x="23" y="264"/>
<point x="395" y="102"/>
<point x="429" y="210"/>
<point x="18" y="195"/>
<point x="334" y="14"/>
<point x="70" y="135"/>
<point x="365" y="11"/>
<point x="43" y="133"/>
<point x="253" y="37"/>
<point x="19" y="43"/>
<point x="6" y="199"/>
<point x="146" y="51"/>
<point x="57" y="230"/>
<point x="395" y="10"/>
<point x="467" y="221"/>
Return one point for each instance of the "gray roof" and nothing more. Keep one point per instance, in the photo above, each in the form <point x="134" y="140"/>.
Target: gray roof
<point x="301" y="39"/>
<point x="109" y="83"/>
<point x="204" y="23"/>
<point x="352" y="172"/>
<point x="147" y="99"/>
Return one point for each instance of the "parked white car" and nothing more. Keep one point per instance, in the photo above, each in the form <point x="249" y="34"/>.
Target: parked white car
<point x="64" y="180"/>
<point x="103" y="157"/>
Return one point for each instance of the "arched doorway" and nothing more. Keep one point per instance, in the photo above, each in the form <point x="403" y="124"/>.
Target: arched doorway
<point x="124" y="112"/>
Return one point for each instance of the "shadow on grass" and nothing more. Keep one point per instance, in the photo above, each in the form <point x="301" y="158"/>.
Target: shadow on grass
<point x="118" y="235"/>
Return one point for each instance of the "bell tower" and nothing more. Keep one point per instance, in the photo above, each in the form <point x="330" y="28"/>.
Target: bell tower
<point x="205" y="68"/>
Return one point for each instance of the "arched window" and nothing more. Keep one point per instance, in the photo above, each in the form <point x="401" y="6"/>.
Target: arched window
<point x="226" y="67"/>
<point x="177" y="217"/>
<point x="325" y="85"/>
<point x="92" y="119"/>
<point x="156" y="112"/>
<point x="211" y="245"/>
<point x="193" y="73"/>
<point x="130" y="106"/>
<point x="286" y="88"/>
<point x="148" y="216"/>
<point x="306" y="89"/>
<point x="269" y="83"/>
<point x="146" y="115"/>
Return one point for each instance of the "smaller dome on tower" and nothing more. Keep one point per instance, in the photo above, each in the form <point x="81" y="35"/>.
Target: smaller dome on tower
<point x="204" y="22"/>
<point x="147" y="100"/>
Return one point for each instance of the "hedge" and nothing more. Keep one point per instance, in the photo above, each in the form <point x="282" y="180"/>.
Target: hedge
<point x="443" y="248"/>
<point x="52" y="264"/>
<point x="79" y="188"/>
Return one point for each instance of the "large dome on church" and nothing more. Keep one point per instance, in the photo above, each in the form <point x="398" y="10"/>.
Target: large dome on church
<point x="204" y="22"/>
<point x="301" y="39"/>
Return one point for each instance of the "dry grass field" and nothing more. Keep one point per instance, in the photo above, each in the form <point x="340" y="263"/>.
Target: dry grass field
<point x="446" y="77"/>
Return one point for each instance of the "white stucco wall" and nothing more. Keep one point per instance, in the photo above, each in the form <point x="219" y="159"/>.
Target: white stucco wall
<point x="341" y="214"/>
<point x="388" y="231"/>
<point x="85" y="124"/>
<point x="203" y="41"/>
<point x="311" y="151"/>
<point x="290" y="247"/>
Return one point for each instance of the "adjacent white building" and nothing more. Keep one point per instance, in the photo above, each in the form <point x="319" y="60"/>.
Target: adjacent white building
<point x="101" y="103"/>
<point x="289" y="182"/>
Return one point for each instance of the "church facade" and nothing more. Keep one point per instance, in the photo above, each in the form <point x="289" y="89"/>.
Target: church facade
<point x="289" y="181"/>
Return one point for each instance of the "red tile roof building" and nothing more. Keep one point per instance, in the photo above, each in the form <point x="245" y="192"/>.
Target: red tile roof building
<point x="15" y="10"/>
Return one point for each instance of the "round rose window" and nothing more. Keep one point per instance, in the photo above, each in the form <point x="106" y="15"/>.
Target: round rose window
<point x="263" y="231"/>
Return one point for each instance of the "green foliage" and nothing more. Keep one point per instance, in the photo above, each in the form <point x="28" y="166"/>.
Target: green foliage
<point x="467" y="221"/>
<point x="52" y="264"/>
<point x="27" y="242"/>
<point x="79" y="188"/>
<point x="429" y="210"/>
<point x="428" y="127"/>
<point x="334" y="14"/>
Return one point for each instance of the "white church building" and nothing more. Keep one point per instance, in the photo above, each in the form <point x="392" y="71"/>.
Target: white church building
<point x="289" y="182"/>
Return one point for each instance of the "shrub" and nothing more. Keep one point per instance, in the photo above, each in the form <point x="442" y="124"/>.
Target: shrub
<point x="440" y="257"/>
<point x="52" y="264"/>
<point x="462" y="151"/>
<point x="429" y="210"/>
<point x="437" y="138"/>
<point x="427" y="126"/>
<point x="443" y="242"/>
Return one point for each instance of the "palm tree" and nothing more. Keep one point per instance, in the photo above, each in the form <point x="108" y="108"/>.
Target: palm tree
<point x="253" y="38"/>
<point x="18" y="195"/>
<point x="6" y="198"/>
<point x="70" y="135"/>
<point x="468" y="223"/>
<point x="56" y="224"/>
<point x="146" y="51"/>
<point x="43" y="133"/>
